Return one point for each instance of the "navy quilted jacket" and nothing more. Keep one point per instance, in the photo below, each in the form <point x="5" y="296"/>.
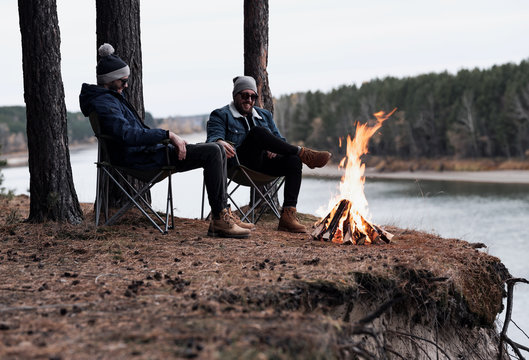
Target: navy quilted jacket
<point x="135" y="144"/>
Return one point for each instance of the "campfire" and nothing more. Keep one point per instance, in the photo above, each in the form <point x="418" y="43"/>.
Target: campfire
<point x="346" y="222"/>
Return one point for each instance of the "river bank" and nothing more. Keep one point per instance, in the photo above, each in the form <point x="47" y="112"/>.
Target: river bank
<point x="126" y="291"/>
<point x="486" y="176"/>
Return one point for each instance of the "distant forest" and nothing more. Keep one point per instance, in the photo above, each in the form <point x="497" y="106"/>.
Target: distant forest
<point x="473" y="114"/>
<point x="13" y="127"/>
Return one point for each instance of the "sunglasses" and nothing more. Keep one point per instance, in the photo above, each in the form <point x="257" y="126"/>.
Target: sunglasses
<point x="124" y="81"/>
<point x="246" y="96"/>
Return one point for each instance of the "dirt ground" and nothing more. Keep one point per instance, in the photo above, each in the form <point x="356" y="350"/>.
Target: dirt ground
<point x="128" y="292"/>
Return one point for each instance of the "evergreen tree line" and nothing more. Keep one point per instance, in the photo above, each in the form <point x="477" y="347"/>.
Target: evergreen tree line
<point x="13" y="135"/>
<point x="473" y="114"/>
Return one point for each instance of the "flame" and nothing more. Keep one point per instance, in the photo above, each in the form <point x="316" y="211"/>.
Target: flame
<point x="352" y="182"/>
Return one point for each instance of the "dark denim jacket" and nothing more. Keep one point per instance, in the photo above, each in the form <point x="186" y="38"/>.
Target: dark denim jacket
<point x="227" y="124"/>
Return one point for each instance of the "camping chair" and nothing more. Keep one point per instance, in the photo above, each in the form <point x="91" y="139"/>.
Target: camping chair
<point x="263" y="189"/>
<point x="106" y="172"/>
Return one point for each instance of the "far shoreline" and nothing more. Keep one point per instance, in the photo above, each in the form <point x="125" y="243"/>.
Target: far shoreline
<point x="332" y="171"/>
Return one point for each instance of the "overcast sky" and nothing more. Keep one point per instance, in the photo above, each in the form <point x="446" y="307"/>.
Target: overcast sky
<point x="192" y="49"/>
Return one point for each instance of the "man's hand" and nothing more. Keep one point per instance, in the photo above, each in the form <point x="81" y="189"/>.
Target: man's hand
<point x="271" y="155"/>
<point x="230" y="150"/>
<point x="180" y="145"/>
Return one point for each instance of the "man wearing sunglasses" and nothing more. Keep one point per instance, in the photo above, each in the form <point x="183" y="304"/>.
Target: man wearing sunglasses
<point x="251" y="132"/>
<point x="136" y="145"/>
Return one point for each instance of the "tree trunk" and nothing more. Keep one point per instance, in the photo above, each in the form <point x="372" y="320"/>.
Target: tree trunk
<point x="256" y="49"/>
<point x="52" y="192"/>
<point x="256" y="52"/>
<point x="118" y="23"/>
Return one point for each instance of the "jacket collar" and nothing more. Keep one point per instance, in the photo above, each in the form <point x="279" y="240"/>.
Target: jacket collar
<point x="236" y="114"/>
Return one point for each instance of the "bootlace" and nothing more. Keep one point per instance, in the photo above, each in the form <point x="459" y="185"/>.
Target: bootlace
<point x="228" y="218"/>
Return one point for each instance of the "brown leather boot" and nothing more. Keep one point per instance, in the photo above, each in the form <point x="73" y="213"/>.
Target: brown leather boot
<point x="239" y="222"/>
<point x="289" y="221"/>
<point x="225" y="227"/>
<point x="313" y="158"/>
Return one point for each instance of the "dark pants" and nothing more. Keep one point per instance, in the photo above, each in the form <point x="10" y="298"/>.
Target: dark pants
<point x="252" y="153"/>
<point x="212" y="158"/>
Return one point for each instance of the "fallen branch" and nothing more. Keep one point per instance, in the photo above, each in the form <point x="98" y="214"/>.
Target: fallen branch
<point x="508" y="313"/>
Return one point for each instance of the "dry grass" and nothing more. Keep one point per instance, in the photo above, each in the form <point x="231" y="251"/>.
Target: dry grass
<point x="127" y="291"/>
<point x="389" y="164"/>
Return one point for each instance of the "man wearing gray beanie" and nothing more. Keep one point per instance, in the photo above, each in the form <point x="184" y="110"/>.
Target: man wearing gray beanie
<point x="137" y="146"/>
<point x="245" y="129"/>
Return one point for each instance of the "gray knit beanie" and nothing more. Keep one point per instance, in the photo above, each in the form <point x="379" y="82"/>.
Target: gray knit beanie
<point x="241" y="83"/>
<point x="110" y="67"/>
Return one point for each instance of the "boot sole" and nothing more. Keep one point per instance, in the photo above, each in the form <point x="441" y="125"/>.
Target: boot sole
<point x="292" y="231"/>
<point x="224" y="235"/>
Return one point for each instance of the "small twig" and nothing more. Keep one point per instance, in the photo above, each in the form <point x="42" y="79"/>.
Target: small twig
<point x="109" y="274"/>
<point x="357" y="330"/>
<point x="514" y="348"/>
<point x="50" y="306"/>
<point x="394" y="353"/>
<point x="375" y="314"/>
<point x="521" y="346"/>
<point x="519" y="328"/>
<point x="422" y="349"/>
<point x="423" y="339"/>
<point x="14" y="289"/>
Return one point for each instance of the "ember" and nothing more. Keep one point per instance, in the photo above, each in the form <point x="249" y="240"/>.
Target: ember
<point x="346" y="221"/>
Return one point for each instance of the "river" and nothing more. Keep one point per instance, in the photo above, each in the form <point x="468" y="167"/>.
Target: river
<point x="494" y="214"/>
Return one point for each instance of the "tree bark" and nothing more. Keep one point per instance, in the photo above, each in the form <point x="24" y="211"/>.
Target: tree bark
<point x="256" y="49"/>
<point x="52" y="192"/>
<point x="256" y="53"/>
<point x="118" y="23"/>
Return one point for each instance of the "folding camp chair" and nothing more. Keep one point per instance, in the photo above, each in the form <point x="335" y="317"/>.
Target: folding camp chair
<point x="106" y="172"/>
<point x="263" y="189"/>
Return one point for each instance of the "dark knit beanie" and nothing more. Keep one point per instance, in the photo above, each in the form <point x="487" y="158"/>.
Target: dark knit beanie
<point x="110" y="67"/>
<point x="241" y="83"/>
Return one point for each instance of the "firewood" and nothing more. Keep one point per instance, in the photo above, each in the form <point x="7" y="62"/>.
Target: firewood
<point x="329" y="229"/>
<point x="384" y="235"/>
<point x="348" y="238"/>
<point x="335" y="221"/>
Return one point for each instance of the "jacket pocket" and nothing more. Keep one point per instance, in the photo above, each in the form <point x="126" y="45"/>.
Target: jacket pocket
<point x="236" y="133"/>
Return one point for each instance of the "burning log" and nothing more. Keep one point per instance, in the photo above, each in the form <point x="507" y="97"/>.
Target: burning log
<point x="345" y="226"/>
<point x="335" y="221"/>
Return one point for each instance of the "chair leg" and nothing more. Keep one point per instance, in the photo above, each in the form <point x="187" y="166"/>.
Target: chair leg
<point x="98" y="196"/>
<point x="172" y="206"/>
<point x="270" y="192"/>
<point x="203" y="195"/>
<point x="132" y="201"/>
<point x="169" y="205"/>
<point x="106" y="187"/>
